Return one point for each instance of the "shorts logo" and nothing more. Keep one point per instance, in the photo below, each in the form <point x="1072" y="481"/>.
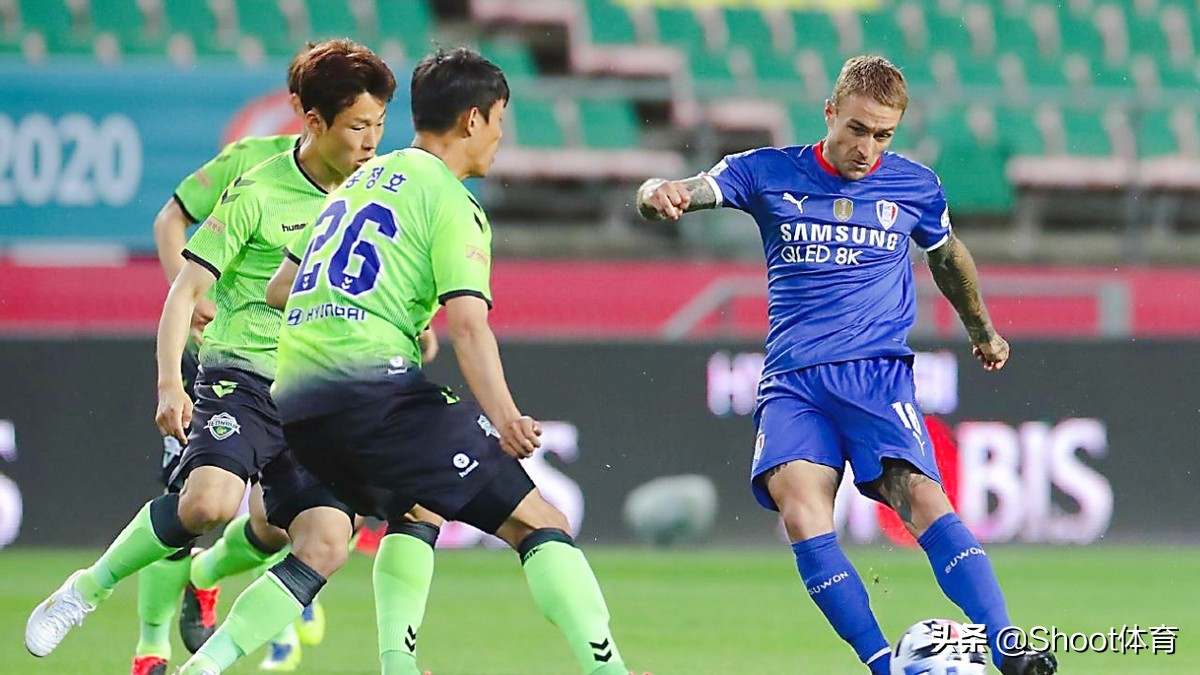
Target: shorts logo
<point x="487" y="426"/>
<point x="224" y="387"/>
<point x="222" y="426"/>
<point x="397" y="366"/>
<point x="464" y="462"/>
<point x="842" y="209"/>
<point x="759" y="443"/>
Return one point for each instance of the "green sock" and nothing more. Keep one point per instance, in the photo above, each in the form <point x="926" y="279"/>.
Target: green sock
<point x="233" y="553"/>
<point x="402" y="574"/>
<point x="566" y="592"/>
<point x="258" y="614"/>
<point x="159" y="588"/>
<point x="274" y="560"/>
<point x="136" y="547"/>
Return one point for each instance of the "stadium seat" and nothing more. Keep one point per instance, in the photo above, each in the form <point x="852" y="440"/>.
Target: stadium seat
<point x="610" y="23"/>
<point x="773" y="67"/>
<point x="1085" y="133"/>
<point x="1018" y="131"/>
<point x="679" y="27"/>
<point x="748" y="28"/>
<point x="511" y="55"/>
<point x="1154" y="133"/>
<point x="947" y="32"/>
<point x="535" y="124"/>
<point x="882" y="35"/>
<point x="407" y="21"/>
<point x="196" y="21"/>
<point x="53" y="20"/>
<point x="609" y="124"/>
<point x="123" y="19"/>
<point x="711" y="69"/>
<point x="263" y="20"/>
<point x="815" y="30"/>
<point x="331" y="18"/>
<point x="808" y="123"/>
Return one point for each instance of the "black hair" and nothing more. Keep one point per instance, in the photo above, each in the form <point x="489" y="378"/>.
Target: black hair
<point x="336" y="72"/>
<point x="450" y="82"/>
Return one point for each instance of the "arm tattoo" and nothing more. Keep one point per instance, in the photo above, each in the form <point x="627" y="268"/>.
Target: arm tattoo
<point x="954" y="272"/>
<point x="697" y="187"/>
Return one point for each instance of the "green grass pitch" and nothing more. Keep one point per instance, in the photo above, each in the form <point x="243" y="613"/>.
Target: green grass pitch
<point x="679" y="612"/>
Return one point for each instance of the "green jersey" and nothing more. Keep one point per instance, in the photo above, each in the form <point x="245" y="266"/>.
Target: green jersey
<point x="198" y="193"/>
<point x="242" y="244"/>
<point x="400" y="237"/>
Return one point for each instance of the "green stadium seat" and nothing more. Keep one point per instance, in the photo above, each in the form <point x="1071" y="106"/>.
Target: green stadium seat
<point x="535" y="124"/>
<point x="263" y="20"/>
<point x="815" y="30"/>
<point x="679" y="27"/>
<point x="748" y="28"/>
<point x="511" y="55"/>
<point x="1079" y="34"/>
<point x="196" y="20"/>
<point x="1111" y="77"/>
<point x="978" y="72"/>
<point x="771" y="66"/>
<point x="1017" y="130"/>
<point x="330" y="19"/>
<point x="407" y="21"/>
<point x="948" y="33"/>
<point x="882" y="35"/>
<point x="122" y="18"/>
<point x="1014" y="34"/>
<point x="53" y="20"/>
<point x="1042" y="72"/>
<point x="917" y="69"/>
<point x="709" y="68"/>
<point x="973" y="176"/>
<point x="1154" y="135"/>
<point x="808" y="123"/>
<point x="1085" y="132"/>
<point x="609" y="124"/>
<point x="610" y="23"/>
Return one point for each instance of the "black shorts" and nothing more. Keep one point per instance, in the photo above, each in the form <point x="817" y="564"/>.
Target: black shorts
<point x="235" y="427"/>
<point x="172" y="449"/>
<point x="414" y="444"/>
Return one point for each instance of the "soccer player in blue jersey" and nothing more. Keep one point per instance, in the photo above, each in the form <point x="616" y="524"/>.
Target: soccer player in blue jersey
<point x="837" y="386"/>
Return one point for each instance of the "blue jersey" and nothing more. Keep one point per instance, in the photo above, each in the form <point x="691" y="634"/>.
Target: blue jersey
<point x="839" y="278"/>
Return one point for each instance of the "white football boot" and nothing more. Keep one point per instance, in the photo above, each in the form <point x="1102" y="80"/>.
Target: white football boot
<point x="55" y="617"/>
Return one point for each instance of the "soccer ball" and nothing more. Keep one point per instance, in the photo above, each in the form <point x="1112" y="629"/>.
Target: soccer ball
<point x="933" y="648"/>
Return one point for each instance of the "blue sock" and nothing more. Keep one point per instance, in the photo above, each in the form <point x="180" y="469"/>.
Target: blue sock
<point x="835" y="586"/>
<point x="965" y="575"/>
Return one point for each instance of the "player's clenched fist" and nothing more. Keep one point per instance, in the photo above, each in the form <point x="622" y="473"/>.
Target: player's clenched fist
<point x="993" y="354"/>
<point x="659" y="199"/>
<point x="174" y="412"/>
<point x="520" y="437"/>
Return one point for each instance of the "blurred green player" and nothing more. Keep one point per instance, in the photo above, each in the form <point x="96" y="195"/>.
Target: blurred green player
<point x="401" y="237"/>
<point x="235" y="435"/>
<point x="161" y="585"/>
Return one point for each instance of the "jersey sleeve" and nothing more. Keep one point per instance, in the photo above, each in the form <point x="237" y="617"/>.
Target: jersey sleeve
<point x="198" y="193"/>
<point x="933" y="229"/>
<point x="461" y="249"/>
<point x="733" y="179"/>
<point x="226" y="231"/>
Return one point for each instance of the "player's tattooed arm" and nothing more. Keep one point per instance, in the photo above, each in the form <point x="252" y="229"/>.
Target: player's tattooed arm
<point x="659" y="199"/>
<point x="956" y="276"/>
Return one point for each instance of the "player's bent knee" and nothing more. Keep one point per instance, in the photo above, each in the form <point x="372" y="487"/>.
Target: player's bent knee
<point x="201" y="512"/>
<point x="418" y="529"/>
<point x="323" y="554"/>
<point x="804" y="520"/>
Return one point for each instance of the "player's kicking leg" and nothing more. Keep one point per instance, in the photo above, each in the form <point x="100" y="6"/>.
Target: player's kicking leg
<point x="162" y="527"/>
<point x="961" y="567"/>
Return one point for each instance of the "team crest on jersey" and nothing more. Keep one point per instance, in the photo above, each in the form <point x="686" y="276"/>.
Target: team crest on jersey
<point x="886" y="212"/>
<point x="842" y="209"/>
<point x="222" y="426"/>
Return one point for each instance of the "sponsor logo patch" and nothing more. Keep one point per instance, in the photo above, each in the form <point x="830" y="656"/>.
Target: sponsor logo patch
<point x="842" y="209"/>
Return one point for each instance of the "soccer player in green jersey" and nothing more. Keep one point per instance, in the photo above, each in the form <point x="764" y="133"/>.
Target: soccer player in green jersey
<point x="161" y="585"/>
<point x="235" y="434"/>
<point x="399" y="238"/>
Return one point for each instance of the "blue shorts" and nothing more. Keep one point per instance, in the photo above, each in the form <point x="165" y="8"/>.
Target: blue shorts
<point x="858" y="412"/>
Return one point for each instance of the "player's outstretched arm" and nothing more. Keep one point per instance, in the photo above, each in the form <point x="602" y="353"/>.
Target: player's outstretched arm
<point x="280" y="285"/>
<point x="659" y="199"/>
<point x="479" y="359"/>
<point x="174" y="406"/>
<point x="170" y="236"/>
<point x="956" y="276"/>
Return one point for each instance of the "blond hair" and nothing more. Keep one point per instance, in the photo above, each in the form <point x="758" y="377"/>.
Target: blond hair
<point x="874" y="77"/>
